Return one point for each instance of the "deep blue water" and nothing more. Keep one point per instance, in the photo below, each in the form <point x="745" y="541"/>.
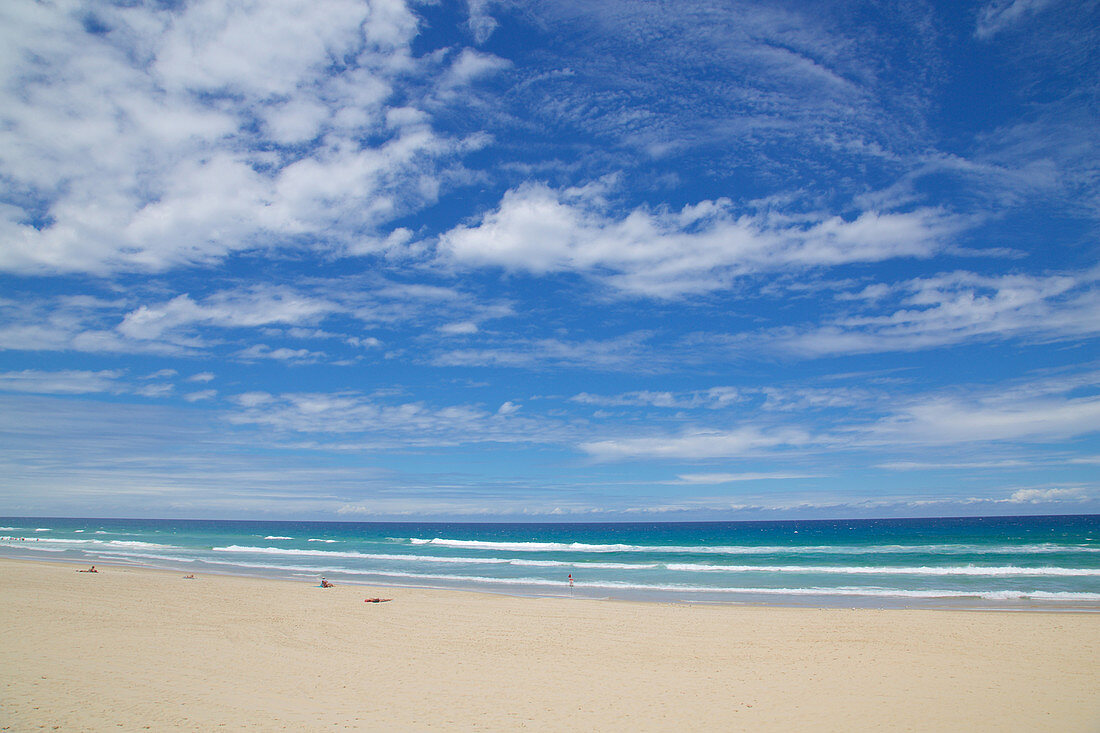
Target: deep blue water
<point x="1007" y="561"/>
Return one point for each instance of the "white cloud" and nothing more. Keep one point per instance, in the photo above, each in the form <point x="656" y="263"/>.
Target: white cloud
<point x="459" y="328"/>
<point x="208" y="323"/>
<point x="774" y="399"/>
<point x="135" y="147"/>
<point x="480" y="22"/>
<point x="669" y="253"/>
<point x="960" y="307"/>
<point x="726" y="478"/>
<point x="202" y="394"/>
<point x="947" y="420"/>
<point x="155" y="390"/>
<point x="1001" y="14"/>
<point x="201" y="377"/>
<point x="699" y="444"/>
<point x="371" y="423"/>
<point x="616" y="354"/>
<point x="292" y="356"/>
<point x="252" y="399"/>
<point x="952" y="465"/>
<point x="227" y="309"/>
<point x="1036" y="496"/>
<point x="73" y="381"/>
<point x="713" y="398"/>
<point x="368" y="342"/>
<point x="470" y="65"/>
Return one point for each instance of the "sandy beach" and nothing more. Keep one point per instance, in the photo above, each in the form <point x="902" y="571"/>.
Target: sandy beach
<point x="137" y="649"/>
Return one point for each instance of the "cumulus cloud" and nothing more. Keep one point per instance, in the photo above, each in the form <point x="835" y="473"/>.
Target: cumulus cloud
<point x="666" y="253"/>
<point x="469" y="66"/>
<point x="139" y="138"/>
<point x="1036" y="496"/>
<point x="228" y="309"/>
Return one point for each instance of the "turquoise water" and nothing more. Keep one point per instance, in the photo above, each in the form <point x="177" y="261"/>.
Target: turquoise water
<point x="1005" y="561"/>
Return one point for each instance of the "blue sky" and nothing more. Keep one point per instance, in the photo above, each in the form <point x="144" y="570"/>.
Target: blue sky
<point x="501" y="260"/>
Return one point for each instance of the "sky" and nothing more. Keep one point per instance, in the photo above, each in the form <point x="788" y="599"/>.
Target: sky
<point x="511" y="260"/>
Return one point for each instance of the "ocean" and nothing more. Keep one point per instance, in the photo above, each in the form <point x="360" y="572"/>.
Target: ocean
<point x="987" y="562"/>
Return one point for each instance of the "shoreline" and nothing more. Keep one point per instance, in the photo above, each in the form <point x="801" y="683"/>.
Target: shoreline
<point x="140" y="647"/>
<point x="584" y="592"/>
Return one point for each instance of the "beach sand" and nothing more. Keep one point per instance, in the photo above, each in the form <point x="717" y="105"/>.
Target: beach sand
<point x="135" y="649"/>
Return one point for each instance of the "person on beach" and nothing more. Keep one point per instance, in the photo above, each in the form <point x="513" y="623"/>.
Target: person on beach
<point x="325" y="583"/>
<point x="89" y="570"/>
<point x="189" y="577"/>
<point x="376" y="600"/>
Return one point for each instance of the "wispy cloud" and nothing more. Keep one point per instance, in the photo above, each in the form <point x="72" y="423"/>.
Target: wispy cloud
<point x="692" y="479"/>
<point x="370" y="423"/>
<point x="959" y="307"/>
<point x="72" y="381"/>
<point x="998" y="15"/>
<point x="955" y="420"/>
<point x="739" y="442"/>
<point x="615" y="354"/>
<point x="232" y="319"/>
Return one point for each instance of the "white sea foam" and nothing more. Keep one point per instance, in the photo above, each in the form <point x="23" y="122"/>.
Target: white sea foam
<point x="948" y="549"/>
<point x="290" y="552"/>
<point x="277" y="537"/>
<point x="436" y="558"/>
<point x="111" y="543"/>
<point x="316" y="540"/>
<point x="846" y="591"/>
<point x="971" y="570"/>
<point x="586" y="565"/>
<point x="77" y="531"/>
<point x="44" y="529"/>
<point x="149" y="556"/>
<point x="677" y="588"/>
